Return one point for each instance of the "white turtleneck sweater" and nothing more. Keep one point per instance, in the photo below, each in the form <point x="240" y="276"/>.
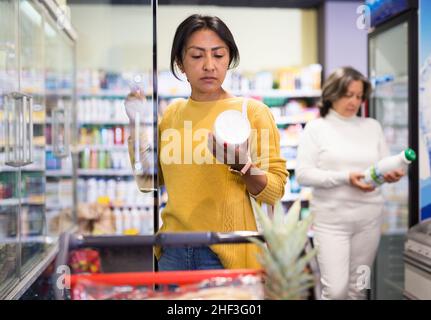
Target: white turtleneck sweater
<point x="332" y="147"/>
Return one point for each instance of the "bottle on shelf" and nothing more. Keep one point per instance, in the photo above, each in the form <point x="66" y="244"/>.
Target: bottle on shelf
<point x="374" y="174"/>
<point x="118" y="216"/>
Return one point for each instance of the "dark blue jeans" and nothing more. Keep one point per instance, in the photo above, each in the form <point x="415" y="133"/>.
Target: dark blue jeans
<point x="188" y="258"/>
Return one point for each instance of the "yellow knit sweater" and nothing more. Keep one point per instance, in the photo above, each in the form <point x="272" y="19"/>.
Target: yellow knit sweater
<point x="205" y="195"/>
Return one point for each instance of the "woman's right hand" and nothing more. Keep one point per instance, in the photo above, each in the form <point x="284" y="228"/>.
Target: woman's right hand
<point x="135" y="104"/>
<point x="356" y="180"/>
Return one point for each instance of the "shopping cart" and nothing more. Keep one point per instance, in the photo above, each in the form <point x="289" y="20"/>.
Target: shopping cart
<point x="148" y="281"/>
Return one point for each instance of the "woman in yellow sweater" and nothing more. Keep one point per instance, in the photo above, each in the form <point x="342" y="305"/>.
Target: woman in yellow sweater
<point x="205" y="194"/>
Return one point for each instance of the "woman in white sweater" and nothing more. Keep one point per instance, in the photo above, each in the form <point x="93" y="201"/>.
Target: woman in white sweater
<point x="334" y="151"/>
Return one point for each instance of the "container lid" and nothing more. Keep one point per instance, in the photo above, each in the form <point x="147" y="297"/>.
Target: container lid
<point x="410" y="154"/>
<point x="231" y="127"/>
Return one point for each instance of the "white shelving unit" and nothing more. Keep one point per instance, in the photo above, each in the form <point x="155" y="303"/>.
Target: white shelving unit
<point x="105" y="172"/>
<point x="58" y="173"/>
<point x="9" y="202"/>
<point x="286" y="120"/>
<point x="105" y="122"/>
<point x="8" y="169"/>
<point x="101" y="147"/>
<point x="274" y="93"/>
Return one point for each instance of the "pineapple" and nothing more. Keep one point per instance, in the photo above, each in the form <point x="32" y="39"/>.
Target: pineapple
<point x="286" y="276"/>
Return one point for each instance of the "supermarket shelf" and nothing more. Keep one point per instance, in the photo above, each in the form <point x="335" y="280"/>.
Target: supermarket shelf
<point x="290" y="197"/>
<point x="283" y="93"/>
<point x="9" y="202"/>
<point x="104" y="94"/>
<point x="119" y="147"/>
<point x="105" y="172"/>
<point x="260" y="93"/>
<point x="58" y="173"/>
<point x="32" y="168"/>
<point x="285" y="120"/>
<point x="30" y="239"/>
<point x="35" y="202"/>
<point x="59" y="207"/>
<point x="134" y="205"/>
<point x="59" y="92"/>
<point x="8" y="169"/>
<point x="104" y="122"/>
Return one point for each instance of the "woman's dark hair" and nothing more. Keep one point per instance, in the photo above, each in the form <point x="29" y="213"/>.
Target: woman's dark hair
<point x="199" y="22"/>
<point x="336" y="87"/>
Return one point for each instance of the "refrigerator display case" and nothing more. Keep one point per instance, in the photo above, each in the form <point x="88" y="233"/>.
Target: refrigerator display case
<point x="393" y="72"/>
<point x="30" y="39"/>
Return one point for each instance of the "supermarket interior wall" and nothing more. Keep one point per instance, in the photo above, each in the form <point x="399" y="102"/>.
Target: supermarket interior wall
<point x="121" y="36"/>
<point x="343" y="43"/>
<point x="115" y="38"/>
<point x="267" y="38"/>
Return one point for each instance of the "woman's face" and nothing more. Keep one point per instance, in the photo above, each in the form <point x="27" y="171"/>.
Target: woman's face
<point x="349" y="104"/>
<point x="205" y="61"/>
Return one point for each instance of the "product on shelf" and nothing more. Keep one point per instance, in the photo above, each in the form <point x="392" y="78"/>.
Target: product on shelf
<point x="7" y="185"/>
<point x="129" y="210"/>
<point x="33" y="186"/>
<point x="92" y="82"/>
<point x="120" y="192"/>
<point x="101" y="110"/>
<point x="99" y="81"/>
<point x="289" y="136"/>
<point x="55" y="163"/>
<point x="103" y="159"/>
<point x="103" y="135"/>
<point x="307" y="78"/>
<point x="131" y="221"/>
<point x="32" y="220"/>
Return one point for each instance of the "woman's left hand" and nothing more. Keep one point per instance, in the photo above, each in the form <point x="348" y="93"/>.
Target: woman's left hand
<point x="393" y="176"/>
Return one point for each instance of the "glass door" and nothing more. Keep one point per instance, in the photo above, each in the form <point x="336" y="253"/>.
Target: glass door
<point x="9" y="176"/>
<point x="59" y="85"/>
<point x="117" y="194"/>
<point x="33" y="175"/>
<point x="390" y="105"/>
<point x="389" y="70"/>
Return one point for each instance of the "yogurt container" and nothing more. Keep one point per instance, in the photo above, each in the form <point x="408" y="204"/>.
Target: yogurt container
<point x="232" y="128"/>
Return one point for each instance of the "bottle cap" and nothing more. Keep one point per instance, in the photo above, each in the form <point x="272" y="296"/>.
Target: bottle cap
<point x="410" y="154"/>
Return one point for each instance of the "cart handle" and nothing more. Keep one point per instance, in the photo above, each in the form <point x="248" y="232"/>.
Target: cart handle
<point x="163" y="239"/>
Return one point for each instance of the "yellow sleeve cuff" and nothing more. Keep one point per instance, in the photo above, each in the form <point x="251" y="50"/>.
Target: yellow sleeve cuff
<point x="273" y="191"/>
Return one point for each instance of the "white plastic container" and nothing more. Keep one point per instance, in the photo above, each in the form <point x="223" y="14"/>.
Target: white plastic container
<point x="118" y="221"/>
<point x="374" y="174"/>
<point x="232" y="128"/>
<point x="136" y="220"/>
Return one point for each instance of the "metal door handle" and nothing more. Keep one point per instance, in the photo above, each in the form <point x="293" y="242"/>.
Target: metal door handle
<point x="60" y="150"/>
<point x="17" y="105"/>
